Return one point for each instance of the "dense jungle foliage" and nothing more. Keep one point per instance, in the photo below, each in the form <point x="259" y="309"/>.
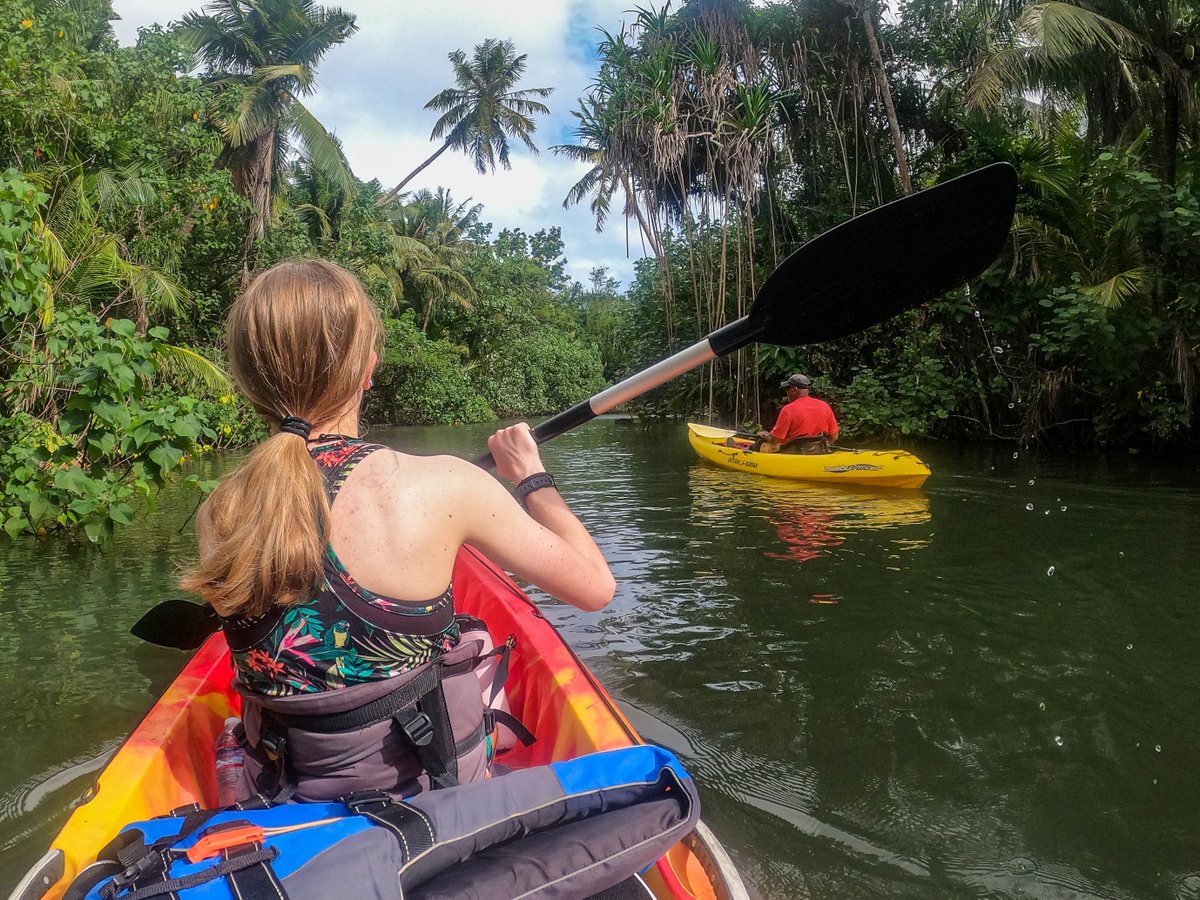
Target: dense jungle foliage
<point x="140" y="187"/>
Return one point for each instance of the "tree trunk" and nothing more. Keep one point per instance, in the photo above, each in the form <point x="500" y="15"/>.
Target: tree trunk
<point x="255" y="186"/>
<point x="1171" y="131"/>
<point x="885" y="93"/>
<point x="631" y="200"/>
<point x="390" y="195"/>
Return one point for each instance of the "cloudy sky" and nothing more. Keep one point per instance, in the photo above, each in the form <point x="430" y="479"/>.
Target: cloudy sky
<point x="372" y="91"/>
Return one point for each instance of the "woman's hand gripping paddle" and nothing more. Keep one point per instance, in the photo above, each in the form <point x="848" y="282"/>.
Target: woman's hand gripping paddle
<point x="856" y="275"/>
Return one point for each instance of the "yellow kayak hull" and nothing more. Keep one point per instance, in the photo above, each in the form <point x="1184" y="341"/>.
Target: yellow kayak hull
<point x="879" y="468"/>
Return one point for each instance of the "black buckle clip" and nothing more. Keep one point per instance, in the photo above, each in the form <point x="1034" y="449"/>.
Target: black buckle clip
<point x="151" y="863"/>
<point x="358" y="801"/>
<point x="418" y="729"/>
<point x="274" y="744"/>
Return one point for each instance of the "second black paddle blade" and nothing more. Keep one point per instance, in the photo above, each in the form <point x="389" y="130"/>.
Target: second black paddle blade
<point x="178" y="624"/>
<point x="890" y="259"/>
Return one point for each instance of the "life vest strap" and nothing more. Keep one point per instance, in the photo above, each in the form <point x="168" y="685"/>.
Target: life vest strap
<point x="494" y="717"/>
<point x="385" y="707"/>
<point x="412" y="828"/>
<point x="247" y="866"/>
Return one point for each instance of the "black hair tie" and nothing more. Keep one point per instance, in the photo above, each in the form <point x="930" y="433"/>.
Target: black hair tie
<point x="297" y="426"/>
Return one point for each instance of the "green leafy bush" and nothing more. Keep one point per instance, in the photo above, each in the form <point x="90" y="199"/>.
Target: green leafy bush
<point x="542" y="371"/>
<point x="421" y="381"/>
<point x="98" y="443"/>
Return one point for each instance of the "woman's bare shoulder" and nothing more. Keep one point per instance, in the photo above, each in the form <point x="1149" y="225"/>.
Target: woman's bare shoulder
<point x="402" y="476"/>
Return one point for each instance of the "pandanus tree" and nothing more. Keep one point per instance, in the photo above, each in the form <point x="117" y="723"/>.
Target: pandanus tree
<point x="484" y="110"/>
<point x="679" y="122"/>
<point x="262" y="57"/>
<point x="606" y="170"/>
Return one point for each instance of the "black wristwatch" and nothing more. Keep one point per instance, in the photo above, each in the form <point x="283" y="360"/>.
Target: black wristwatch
<point x="534" y="482"/>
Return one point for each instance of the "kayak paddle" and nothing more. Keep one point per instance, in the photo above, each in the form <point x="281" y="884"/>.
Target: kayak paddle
<point x="179" y="624"/>
<point x="860" y="273"/>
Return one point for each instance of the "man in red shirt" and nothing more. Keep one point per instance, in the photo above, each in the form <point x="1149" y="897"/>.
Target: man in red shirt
<point x="804" y="416"/>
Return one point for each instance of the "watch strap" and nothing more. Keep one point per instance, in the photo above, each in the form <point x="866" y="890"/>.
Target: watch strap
<point x="534" y="482"/>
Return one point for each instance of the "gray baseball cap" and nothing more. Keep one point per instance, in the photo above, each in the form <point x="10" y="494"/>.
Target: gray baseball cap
<point x="797" y="381"/>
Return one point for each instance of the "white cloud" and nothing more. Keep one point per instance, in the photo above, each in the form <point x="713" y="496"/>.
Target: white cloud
<point x="372" y="90"/>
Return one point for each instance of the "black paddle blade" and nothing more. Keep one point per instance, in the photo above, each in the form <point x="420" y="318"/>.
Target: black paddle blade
<point x="178" y="624"/>
<point x="883" y="262"/>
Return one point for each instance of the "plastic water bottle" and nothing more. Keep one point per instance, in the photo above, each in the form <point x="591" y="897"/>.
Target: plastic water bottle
<point x="230" y="760"/>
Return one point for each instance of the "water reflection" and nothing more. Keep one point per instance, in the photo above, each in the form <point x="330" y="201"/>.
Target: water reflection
<point x="810" y="520"/>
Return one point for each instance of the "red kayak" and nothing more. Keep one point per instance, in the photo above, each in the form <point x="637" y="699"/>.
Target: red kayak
<point x="167" y="761"/>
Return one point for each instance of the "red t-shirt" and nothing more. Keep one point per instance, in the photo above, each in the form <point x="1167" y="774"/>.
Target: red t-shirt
<point x="804" y="417"/>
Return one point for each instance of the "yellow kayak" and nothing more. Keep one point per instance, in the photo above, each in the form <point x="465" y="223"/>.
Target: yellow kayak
<point x="880" y="468"/>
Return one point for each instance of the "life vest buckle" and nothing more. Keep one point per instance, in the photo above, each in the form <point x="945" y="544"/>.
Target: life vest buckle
<point x="274" y="744"/>
<point x="151" y="863"/>
<point x="418" y="728"/>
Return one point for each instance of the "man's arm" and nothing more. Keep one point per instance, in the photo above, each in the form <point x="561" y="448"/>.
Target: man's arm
<point x="768" y="438"/>
<point x="777" y="434"/>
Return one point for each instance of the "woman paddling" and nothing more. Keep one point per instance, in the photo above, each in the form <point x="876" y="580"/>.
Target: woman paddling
<point x="340" y="616"/>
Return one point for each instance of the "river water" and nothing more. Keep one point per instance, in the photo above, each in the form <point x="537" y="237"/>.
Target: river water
<point x="989" y="687"/>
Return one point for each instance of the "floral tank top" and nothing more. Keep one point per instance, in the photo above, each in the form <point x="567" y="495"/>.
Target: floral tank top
<point x="344" y="634"/>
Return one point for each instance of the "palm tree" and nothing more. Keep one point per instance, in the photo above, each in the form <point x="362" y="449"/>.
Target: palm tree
<point x="483" y="112"/>
<point x="1129" y="61"/>
<point x="262" y="55"/>
<point x="429" y="246"/>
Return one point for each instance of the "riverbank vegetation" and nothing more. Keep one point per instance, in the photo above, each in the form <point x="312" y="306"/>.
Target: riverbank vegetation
<point x="731" y="133"/>
<point x="140" y="187"/>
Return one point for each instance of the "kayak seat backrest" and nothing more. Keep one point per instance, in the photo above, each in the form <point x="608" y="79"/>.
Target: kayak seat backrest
<point x="325" y="745"/>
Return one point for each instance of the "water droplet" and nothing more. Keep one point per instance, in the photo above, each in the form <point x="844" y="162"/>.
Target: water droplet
<point x="1032" y="480"/>
<point x="1011" y="405"/>
<point x="1158" y="748"/>
<point x="977" y="314"/>
<point x="1050" y="571"/>
<point x="1042" y="706"/>
<point x="1129" y="646"/>
<point x="1156" y="781"/>
<point x="1058" y="740"/>
<point x="1016" y="454"/>
<point x="1121" y="554"/>
<point x="1045" y="512"/>
<point x="1062" y="509"/>
<point x="1029" y="506"/>
<point x="998" y="349"/>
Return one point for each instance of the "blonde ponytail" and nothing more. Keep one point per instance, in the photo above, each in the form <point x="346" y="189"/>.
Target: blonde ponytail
<point x="300" y="343"/>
